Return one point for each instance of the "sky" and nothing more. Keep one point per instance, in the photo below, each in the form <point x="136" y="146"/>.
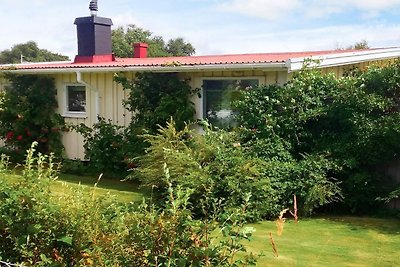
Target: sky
<point x="212" y="26"/>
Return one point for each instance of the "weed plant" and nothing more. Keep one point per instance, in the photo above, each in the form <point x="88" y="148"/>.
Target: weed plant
<point x="38" y="228"/>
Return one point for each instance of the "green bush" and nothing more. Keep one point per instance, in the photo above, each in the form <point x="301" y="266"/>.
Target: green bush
<point x="154" y="98"/>
<point x="40" y="229"/>
<point x="29" y="225"/>
<point x="350" y="124"/>
<point x="106" y="146"/>
<point x="27" y="114"/>
<point x="219" y="169"/>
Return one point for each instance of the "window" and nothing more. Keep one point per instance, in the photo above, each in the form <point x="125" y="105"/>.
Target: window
<point x="218" y="96"/>
<point x="76" y="99"/>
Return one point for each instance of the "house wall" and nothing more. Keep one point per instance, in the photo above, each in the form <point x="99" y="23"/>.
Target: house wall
<point x="100" y="88"/>
<point x="105" y="97"/>
<point x="265" y="77"/>
<point x="111" y="95"/>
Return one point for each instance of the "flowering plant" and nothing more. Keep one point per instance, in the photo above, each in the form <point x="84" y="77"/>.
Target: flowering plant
<point x="27" y="114"/>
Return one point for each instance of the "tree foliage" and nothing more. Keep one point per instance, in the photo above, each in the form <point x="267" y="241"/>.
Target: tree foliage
<point x="318" y="137"/>
<point x="157" y="97"/>
<point x="221" y="171"/>
<point x="154" y="98"/>
<point x="30" y="52"/>
<point x="124" y="38"/>
<point x="361" y="45"/>
<point x="178" y="47"/>
<point x="27" y="114"/>
<point x="349" y="121"/>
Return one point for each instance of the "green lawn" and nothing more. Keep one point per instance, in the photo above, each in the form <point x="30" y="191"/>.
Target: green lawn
<point x="332" y="241"/>
<point x="329" y="241"/>
<point x="123" y="191"/>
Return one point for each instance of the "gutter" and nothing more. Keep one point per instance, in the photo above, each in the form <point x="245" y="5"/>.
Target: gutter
<point x="96" y="91"/>
<point x="290" y="65"/>
<point x="333" y="60"/>
<point x="181" y="68"/>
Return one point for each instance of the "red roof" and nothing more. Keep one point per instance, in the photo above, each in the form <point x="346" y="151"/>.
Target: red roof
<point x="180" y="61"/>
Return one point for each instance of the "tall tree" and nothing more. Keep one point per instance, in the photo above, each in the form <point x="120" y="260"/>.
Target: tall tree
<point x="28" y="52"/>
<point x="178" y="47"/>
<point x="123" y="38"/>
<point x="362" y="45"/>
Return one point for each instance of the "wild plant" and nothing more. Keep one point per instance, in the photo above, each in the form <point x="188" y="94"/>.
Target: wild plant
<point x="4" y="163"/>
<point x="280" y="223"/>
<point x="29" y="220"/>
<point x="38" y="228"/>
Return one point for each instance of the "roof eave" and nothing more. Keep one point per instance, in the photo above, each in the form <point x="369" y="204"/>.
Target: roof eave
<point x="180" y="68"/>
<point x="333" y="60"/>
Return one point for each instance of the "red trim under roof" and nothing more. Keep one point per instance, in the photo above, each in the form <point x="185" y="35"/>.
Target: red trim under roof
<point x="180" y="61"/>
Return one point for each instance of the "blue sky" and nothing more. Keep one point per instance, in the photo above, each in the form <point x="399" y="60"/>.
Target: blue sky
<point x="212" y="26"/>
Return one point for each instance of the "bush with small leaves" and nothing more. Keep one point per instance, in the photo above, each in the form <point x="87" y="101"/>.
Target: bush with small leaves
<point x="38" y="228"/>
<point x="28" y="114"/>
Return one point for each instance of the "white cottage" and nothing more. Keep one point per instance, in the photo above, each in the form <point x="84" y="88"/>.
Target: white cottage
<point x="86" y="90"/>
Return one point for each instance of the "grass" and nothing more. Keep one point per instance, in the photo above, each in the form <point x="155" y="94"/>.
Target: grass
<point x="123" y="191"/>
<point x="329" y="241"/>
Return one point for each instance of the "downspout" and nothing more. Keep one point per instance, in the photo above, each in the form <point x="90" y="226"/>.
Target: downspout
<point x="97" y="104"/>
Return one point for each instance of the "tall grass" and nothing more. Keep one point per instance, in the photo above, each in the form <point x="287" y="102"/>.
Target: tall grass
<point x="88" y="228"/>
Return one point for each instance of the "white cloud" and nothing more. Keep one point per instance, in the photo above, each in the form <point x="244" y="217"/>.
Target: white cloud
<point x="124" y="19"/>
<point x="375" y="5"/>
<point x="268" y="9"/>
<point x="319" y="38"/>
<point x="273" y="10"/>
<point x="369" y="8"/>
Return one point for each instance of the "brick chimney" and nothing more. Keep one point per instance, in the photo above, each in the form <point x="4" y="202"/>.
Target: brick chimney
<point x="140" y="50"/>
<point x="94" y="37"/>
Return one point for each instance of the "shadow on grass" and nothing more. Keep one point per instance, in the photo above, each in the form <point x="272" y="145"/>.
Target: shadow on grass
<point x="126" y="190"/>
<point x="382" y="225"/>
<point x="104" y="182"/>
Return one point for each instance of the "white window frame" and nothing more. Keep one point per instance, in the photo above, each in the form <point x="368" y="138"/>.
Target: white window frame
<point x="261" y="81"/>
<point x="74" y="114"/>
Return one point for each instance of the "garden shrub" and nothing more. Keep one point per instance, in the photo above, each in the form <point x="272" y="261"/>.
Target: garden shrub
<point x="153" y="98"/>
<point x="106" y="146"/>
<point x="316" y="137"/>
<point x="27" y="114"/>
<point x="173" y="238"/>
<point x="219" y="169"/>
<point x="38" y="228"/>
<point x="29" y="222"/>
<point x="156" y="97"/>
<point x="350" y="123"/>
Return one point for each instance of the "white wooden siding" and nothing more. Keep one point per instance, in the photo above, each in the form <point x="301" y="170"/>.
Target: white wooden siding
<point x="111" y="95"/>
<point x="109" y="106"/>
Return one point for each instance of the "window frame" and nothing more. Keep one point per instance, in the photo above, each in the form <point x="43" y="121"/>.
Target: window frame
<point x="74" y="114"/>
<point x="260" y="79"/>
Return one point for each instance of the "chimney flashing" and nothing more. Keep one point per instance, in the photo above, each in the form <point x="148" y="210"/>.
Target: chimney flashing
<point x="94" y="59"/>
